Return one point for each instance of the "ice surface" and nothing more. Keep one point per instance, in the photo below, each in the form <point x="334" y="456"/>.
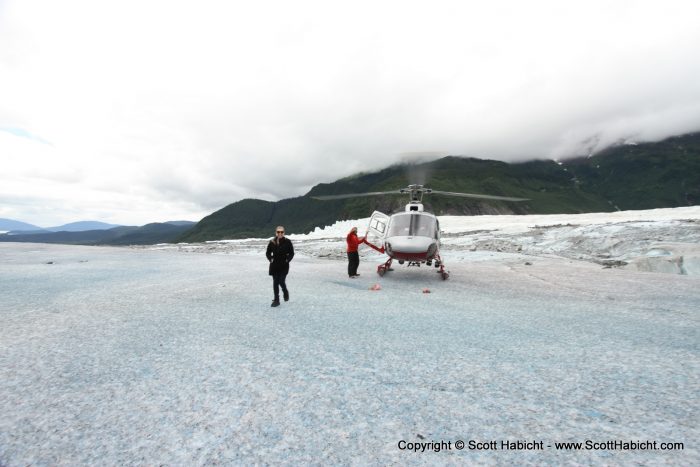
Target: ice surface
<point x="173" y="356"/>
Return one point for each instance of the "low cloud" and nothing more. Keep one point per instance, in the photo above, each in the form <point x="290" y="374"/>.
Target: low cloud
<point x="266" y="100"/>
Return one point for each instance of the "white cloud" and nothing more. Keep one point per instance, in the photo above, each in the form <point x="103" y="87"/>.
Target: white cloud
<point x="160" y="110"/>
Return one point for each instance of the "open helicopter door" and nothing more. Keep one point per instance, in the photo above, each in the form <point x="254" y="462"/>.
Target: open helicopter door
<point x="376" y="232"/>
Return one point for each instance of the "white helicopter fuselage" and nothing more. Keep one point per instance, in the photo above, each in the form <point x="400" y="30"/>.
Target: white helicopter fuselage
<point x="412" y="235"/>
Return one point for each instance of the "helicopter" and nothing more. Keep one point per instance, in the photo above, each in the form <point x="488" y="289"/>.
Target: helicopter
<point x="411" y="236"/>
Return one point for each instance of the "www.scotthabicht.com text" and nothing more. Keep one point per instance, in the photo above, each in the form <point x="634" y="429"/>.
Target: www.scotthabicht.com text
<point x="539" y="445"/>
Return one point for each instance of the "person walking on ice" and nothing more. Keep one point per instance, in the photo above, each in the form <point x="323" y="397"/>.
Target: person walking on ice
<point x="280" y="252"/>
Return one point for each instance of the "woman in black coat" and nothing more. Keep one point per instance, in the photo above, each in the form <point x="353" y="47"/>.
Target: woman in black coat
<point x="280" y="252"/>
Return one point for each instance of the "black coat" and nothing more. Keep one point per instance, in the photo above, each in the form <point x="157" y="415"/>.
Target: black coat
<point x="279" y="255"/>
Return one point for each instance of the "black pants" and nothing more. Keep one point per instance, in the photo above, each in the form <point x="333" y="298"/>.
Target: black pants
<point x="353" y="262"/>
<point x="278" y="280"/>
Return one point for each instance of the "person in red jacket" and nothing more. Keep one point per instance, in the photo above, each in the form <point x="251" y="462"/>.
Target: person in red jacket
<point x="353" y="256"/>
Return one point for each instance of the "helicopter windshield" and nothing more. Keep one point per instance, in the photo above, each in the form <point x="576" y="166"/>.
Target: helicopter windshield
<point x="413" y="225"/>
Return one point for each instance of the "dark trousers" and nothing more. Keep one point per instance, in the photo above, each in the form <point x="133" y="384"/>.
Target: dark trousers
<point x="353" y="262"/>
<point x="278" y="280"/>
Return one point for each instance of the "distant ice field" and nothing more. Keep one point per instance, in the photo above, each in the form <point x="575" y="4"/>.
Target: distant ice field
<point x="164" y="356"/>
<point x="655" y="240"/>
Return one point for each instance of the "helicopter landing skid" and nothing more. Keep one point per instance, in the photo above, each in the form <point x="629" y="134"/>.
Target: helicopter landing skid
<point x="383" y="268"/>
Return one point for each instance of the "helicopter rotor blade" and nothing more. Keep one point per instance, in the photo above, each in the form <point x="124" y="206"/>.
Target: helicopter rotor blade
<point x="478" y="196"/>
<point x="356" y="195"/>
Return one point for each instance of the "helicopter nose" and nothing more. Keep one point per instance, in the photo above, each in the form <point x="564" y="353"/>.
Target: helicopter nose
<point x="410" y="244"/>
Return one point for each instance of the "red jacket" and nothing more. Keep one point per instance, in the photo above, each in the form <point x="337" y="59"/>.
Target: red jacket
<point x="353" y="241"/>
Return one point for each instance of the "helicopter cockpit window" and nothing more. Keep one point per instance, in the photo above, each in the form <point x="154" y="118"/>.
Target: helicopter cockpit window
<point x="418" y="225"/>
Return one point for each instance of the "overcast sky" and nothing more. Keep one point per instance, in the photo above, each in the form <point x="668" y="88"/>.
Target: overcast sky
<point x="139" y="111"/>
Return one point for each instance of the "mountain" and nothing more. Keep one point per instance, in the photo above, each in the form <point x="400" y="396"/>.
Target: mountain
<point x="7" y="225"/>
<point x="627" y="176"/>
<point x="123" y="235"/>
<point x="644" y="176"/>
<point x="165" y="232"/>
<point x="641" y="176"/>
<point x="82" y="226"/>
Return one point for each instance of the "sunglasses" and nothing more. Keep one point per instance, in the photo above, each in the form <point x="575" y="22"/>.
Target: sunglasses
<point x="280" y="231"/>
